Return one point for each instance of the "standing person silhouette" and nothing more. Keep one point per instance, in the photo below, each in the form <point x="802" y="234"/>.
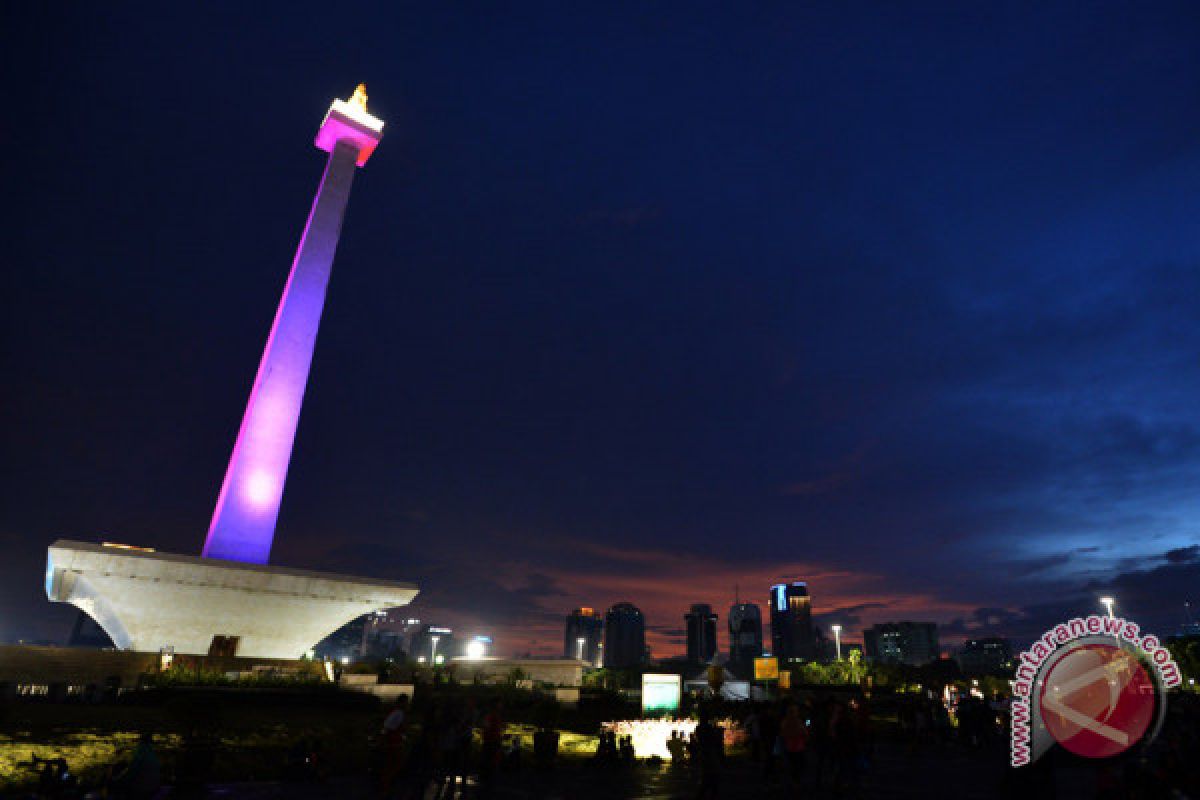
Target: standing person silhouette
<point x="793" y="732"/>
<point x="710" y="756"/>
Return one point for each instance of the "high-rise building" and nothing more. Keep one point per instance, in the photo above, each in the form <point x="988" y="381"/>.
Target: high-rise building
<point x="355" y="640"/>
<point x="386" y="644"/>
<point x="585" y="629"/>
<point x="745" y="633"/>
<point x="624" y="636"/>
<point x="913" y="643"/>
<point x="792" y="636"/>
<point x="985" y="656"/>
<point x="346" y="644"/>
<point x="701" y="634"/>
<point x="433" y="644"/>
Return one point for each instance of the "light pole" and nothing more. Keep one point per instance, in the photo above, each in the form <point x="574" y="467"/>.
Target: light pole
<point x="433" y="649"/>
<point x="837" y="640"/>
<point x="579" y="643"/>
<point x="1108" y="603"/>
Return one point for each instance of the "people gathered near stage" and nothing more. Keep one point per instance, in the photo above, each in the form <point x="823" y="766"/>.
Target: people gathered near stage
<point x="811" y="744"/>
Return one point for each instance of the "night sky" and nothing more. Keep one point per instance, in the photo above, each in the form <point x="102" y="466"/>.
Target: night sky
<point x="634" y="302"/>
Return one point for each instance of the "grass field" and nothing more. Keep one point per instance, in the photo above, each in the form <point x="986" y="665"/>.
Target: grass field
<point x="251" y="742"/>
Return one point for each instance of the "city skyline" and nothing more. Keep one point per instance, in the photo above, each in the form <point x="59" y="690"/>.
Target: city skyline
<point x="635" y="303"/>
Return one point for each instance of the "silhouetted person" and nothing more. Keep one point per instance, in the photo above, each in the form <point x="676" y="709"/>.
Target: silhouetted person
<point x="395" y="738"/>
<point x="844" y="737"/>
<point x="606" y="750"/>
<point x="820" y="741"/>
<point x="492" y="734"/>
<point x="627" y="754"/>
<point x="677" y="749"/>
<point x="54" y="779"/>
<point x="710" y="756"/>
<point x="422" y="757"/>
<point x="793" y="732"/>
<point x="753" y="735"/>
<point x="512" y="754"/>
<point x="768" y="726"/>
<point x="143" y="777"/>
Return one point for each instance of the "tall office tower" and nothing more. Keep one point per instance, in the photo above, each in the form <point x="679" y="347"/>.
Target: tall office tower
<point x="792" y="636"/>
<point x="585" y="629"/>
<point x="745" y="633"/>
<point x="701" y="634"/>
<point x="913" y="643"/>
<point x="624" y="636"/>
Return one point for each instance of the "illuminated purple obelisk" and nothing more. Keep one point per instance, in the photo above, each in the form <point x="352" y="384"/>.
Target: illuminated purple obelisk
<point x="243" y="523"/>
<point x="230" y="602"/>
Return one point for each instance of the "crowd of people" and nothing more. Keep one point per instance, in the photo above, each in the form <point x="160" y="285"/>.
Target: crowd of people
<point x="440" y="752"/>
<point x="821" y="745"/>
<point x="829" y="738"/>
<point x="612" y="749"/>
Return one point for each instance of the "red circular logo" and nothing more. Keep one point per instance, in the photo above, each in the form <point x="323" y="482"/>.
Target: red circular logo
<point x="1097" y="700"/>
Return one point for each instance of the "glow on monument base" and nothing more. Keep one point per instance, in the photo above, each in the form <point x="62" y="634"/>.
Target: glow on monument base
<point x="148" y="601"/>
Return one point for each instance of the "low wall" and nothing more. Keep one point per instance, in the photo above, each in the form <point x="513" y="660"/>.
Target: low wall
<point x="553" y="672"/>
<point x="77" y="666"/>
<point x="369" y="684"/>
<point x="85" y="666"/>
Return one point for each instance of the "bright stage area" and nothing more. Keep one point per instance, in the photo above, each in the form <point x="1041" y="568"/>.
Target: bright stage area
<point x="147" y="600"/>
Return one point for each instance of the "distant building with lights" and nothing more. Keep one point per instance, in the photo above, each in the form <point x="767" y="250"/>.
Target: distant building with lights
<point x="986" y="656"/>
<point x="346" y="644"/>
<point x="745" y="634"/>
<point x="1188" y="630"/>
<point x="432" y="644"/>
<point x="583" y="636"/>
<point x="361" y="637"/>
<point x="913" y="643"/>
<point x="624" y="637"/>
<point x="792" y="635"/>
<point x="387" y="644"/>
<point x="701" y="625"/>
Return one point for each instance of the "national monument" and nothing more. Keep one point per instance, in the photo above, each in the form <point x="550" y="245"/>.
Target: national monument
<point x="229" y="601"/>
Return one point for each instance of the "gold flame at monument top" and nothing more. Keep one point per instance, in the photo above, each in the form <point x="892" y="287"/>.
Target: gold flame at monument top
<point x="359" y="98"/>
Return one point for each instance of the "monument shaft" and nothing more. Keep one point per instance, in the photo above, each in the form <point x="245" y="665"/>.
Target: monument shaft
<point x="243" y="524"/>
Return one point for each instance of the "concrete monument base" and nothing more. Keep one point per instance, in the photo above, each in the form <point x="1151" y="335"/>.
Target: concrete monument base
<point x="145" y="600"/>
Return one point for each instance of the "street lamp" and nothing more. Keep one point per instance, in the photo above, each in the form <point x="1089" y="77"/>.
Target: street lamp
<point x="1108" y="603"/>
<point x="433" y="649"/>
<point x="580" y="642"/>
<point x="837" y="640"/>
